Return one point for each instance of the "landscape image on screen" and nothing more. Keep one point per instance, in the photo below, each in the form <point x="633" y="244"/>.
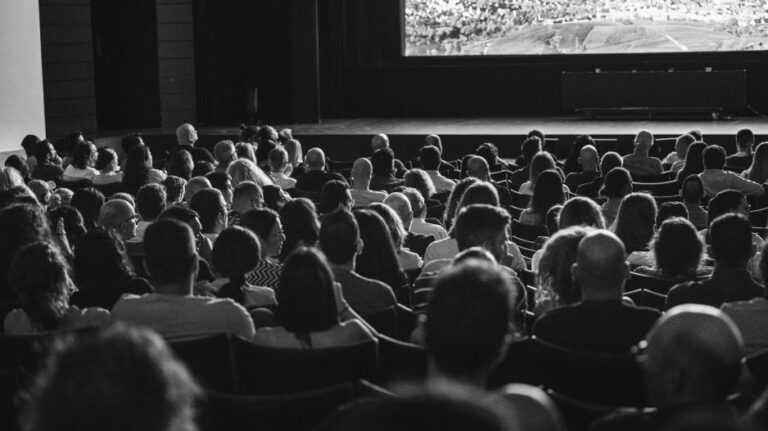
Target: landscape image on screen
<point x="534" y="27"/>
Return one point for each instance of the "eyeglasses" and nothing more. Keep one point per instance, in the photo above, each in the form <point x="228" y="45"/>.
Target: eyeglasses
<point x="134" y="218"/>
<point x="277" y="235"/>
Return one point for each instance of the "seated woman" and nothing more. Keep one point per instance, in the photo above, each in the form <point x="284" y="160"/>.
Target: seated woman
<point x="554" y="285"/>
<point x="408" y="260"/>
<point x="618" y="183"/>
<point x="236" y="252"/>
<point x="39" y="276"/>
<point x="677" y="252"/>
<point x="265" y="223"/>
<point x="300" y="224"/>
<point x="311" y="308"/>
<point x="378" y="260"/>
<point x="635" y="225"/>
<point x="541" y="162"/>
<point x="103" y="271"/>
<point x="547" y="193"/>
<point x="109" y="169"/>
<point x="83" y="159"/>
<point x="139" y="171"/>
<point x="334" y="195"/>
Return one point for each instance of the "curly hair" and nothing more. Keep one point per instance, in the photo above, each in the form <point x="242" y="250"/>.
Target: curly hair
<point x="554" y="276"/>
<point x="300" y="224"/>
<point x="39" y="277"/>
<point x="452" y="205"/>
<point x="421" y="181"/>
<point x="635" y="221"/>
<point x="100" y="257"/>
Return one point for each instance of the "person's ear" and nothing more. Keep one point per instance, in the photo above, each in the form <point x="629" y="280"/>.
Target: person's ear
<point x="627" y="271"/>
<point x="359" y="246"/>
<point x="574" y="272"/>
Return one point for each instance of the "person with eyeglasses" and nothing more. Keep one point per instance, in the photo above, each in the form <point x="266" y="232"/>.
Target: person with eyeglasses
<point x="119" y="216"/>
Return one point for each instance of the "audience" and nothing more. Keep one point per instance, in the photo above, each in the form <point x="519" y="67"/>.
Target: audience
<point x="600" y="272"/>
<point x="180" y="164"/>
<point x="639" y="164"/>
<point x="555" y="287"/>
<point x="452" y="205"/>
<point x="750" y="315"/>
<point x="70" y="218"/>
<point x="731" y="248"/>
<point x="381" y="141"/>
<point x="245" y="170"/>
<point x="274" y="197"/>
<point x="81" y="166"/>
<point x="150" y="202"/>
<point x="103" y="272"/>
<point x="609" y="161"/>
<point x="39" y="275"/>
<point x="296" y="166"/>
<point x="47" y="162"/>
<point x="742" y="158"/>
<point x="119" y="216"/>
<point x="588" y="161"/>
<point x="446" y="169"/>
<point x="311" y="308"/>
<point x="212" y="209"/>
<point x="225" y="153"/>
<point x="265" y="224"/>
<point x="530" y="147"/>
<point x="408" y="260"/>
<point x="334" y="195"/>
<point x="222" y="182"/>
<point x="676" y="159"/>
<point x="139" y="170"/>
<point x="108" y="167"/>
<point x="716" y="179"/>
<point x="171" y="259"/>
<point x="236" y="253"/>
<point x="340" y="242"/>
<point x="383" y="163"/>
<point x="362" y="172"/>
<point x="419" y="180"/>
<point x="757" y="171"/>
<point x="419" y="225"/>
<point x="194" y="185"/>
<point x="379" y="258"/>
<point x="635" y="225"/>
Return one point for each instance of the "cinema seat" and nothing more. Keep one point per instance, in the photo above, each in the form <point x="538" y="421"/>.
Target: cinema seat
<point x="210" y="361"/>
<point x="400" y="361"/>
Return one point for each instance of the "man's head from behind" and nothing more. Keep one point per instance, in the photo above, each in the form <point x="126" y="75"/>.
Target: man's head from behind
<point x="600" y="268"/>
<point x="119" y="216"/>
<point x="315" y="159"/>
<point x="730" y="237"/>
<point x="692" y="190"/>
<point x="714" y="157"/>
<point x="119" y="379"/>
<point x="588" y="158"/>
<point x="186" y="134"/>
<point x="468" y="325"/>
<point x="610" y="160"/>
<point x="379" y="141"/>
<point x="212" y="208"/>
<point x="435" y="141"/>
<point x="195" y="185"/>
<point x="340" y="237"/>
<point x="429" y="156"/>
<point x="745" y="140"/>
<point x="484" y="226"/>
<point x="477" y="167"/>
<point x="693" y="356"/>
<point x="644" y="140"/>
<point x="170" y="256"/>
<point x="727" y="201"/>
<point x="402" y="206"/>
<point x="247" y="195"/>
<point x="362" y="171"/>
<point x="150" y="201"/>
<point x="224" y="151"/>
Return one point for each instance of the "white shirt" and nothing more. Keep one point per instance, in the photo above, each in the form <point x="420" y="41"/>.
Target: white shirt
<point x="363" y="198"/>
<point x="421" y="226"/>
<point x="284" y="181"/>
<point x="442" y="184"/>
<point x="446" y="248"/>
<point x="74" y="174"/>
<point x="717" y="180"/>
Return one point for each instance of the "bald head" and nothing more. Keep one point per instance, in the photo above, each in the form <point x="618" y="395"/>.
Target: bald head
<point x="693" y="356"/>
<point x="379" y="141"/>
<point x="600" y="267"/>
<point x="588" y="158"/>
<point x="644" y="140"/>
<point x="477" y="167"/>
<point x="362" y="170"/>
<point x="315" y="159"/>
<point x="186" y="134"/>
<point x="118" y="215"/>
<point x="402" y="206"/>
<point x="195" y="185"/>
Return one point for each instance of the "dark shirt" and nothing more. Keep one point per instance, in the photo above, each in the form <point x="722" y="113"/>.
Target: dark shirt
<point x="313" y="181"/>
<point x="591" y="189"/>
<point x="418" y="243"/>
<point x="738" y="163"/>
<point x="198" y="153"/>
<point x="596" y="326"/>
<point x="575" y="179"/>
<point x="723" y="286"/>
<point x="106" y="294"/>
<point x="47" y="172"/>
<point x="384" y="182"/>
<point x="518" y="177"/>
<point x="505" y="197"/>
<point x="364" y="295"/>
<point x="262" y="153"/>
<point x="447" y="170"/>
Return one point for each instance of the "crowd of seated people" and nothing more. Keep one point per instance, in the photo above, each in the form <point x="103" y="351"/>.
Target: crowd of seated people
<point x="465" y="258"/>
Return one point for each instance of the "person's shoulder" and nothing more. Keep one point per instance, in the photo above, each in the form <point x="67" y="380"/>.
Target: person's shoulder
<point x="357" y="332"/>
<point x="745" y="306"/>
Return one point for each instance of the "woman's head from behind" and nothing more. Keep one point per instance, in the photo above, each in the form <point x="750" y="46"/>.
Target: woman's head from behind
<point x="541" y="162"/>
<point x="558" y="255"/>
<point x="379" y="253"/>
<point x="618" y="183"/>
<point x="306" y="294"/>
<point x="100" y="257"/>
<point x="694" y="159"/>
<point x="334" y="195"/>
<point x="581" y="211"/>
<point x="454" y="198"/>
<point x="300" y="223"/>
<point x="421" y="181"/>
<point x="547" y="192"/>
<point x="266" y="225"/>
<point x="89" y="202"/>
<point x="245" y="170"/>
<point x="635" y="221"/>
<point x="181" y="164"/>
<point x="758" y="171"/>
<point x="235" y="253"/>
<point x="39" y="277"/>
<point x="74" y="226"/>
<point x="392" y="220"/>
<point x="677" y="249"/>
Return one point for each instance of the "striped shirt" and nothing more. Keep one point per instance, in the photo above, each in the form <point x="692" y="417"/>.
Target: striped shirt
<point x="265" y="273"/>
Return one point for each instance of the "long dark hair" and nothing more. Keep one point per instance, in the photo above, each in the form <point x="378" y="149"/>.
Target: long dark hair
<point x="300" y="225"/>
<point x="635" y="222"/>
<point x="694" y="161"/>
<point x="235" y="253"/>
<point x="100" y="258"/>
<point x="21" y="225"/>
<point x="547" y="193"/>
<point x="306" y="298"/>
<point x="379" y="257"/>
<point x="137" y="167"/>
<point x="39" y="276"/>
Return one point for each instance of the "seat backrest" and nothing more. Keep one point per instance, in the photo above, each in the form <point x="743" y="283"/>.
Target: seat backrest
<point x="269" y="370"/>
<point x="109" y="189"/>
<point x="757" y="364"/>
<point x="579" y="414"/>
<point x="515" y="211"/>
<point x="406" y="322"/>
<point x="296" y="411"/>
<point x="665" y="188"/>
<point x="759" y="218"/>
<point x="384" y="321"/>
<point x="210" y="361"/>
<point x="75" y="185"/>
<point x="519" y="200"/>
<point x="526" y="232"/>
<point x="649" y="283"/>
<point x="400" y="361"/>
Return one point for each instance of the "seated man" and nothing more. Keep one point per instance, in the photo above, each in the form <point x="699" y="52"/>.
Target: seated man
<point x="490" y="153"/>
<point x="419" y="225"/>
<point x="477" y="167"/>
<point x="741" y="160"/>
<point x="119" y="216"/>
<point x="692" y="362"/>
<point x="601" y="322"/>
<point x="362" y="172"/>
<point x="382" y="141"/>
<point x="430" y="160"/>
<point x="341" y="243"/>
<point x="225" y="153"/>
<point x="610" y="160"/>
<point x="639" y="163"/>
<point x="315" y="177"/>
<point x="210" y="206"/>
<point x="194" y="185"/>
<point x="730" y="237"/>
<point x="150" y="202"/>
<point x="446" y="169"/>
<point x="246" y="196"/>
<point x="171" y="260"/>
<point x="715" y="179"/>
<point x="186" y="137"/>
<point x="588" y="159"/>
<point x="278" y="163"/>
<point x="384" y="173"/>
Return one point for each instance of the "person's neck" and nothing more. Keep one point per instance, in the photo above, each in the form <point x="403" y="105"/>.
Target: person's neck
<point x="241" y="207"/>
<point x="361" y="185"/>
<point x="175" y="289"/>
<point x="721" y="268"/>
<point x="349" y="266"/>
<point x="589" y="168"/>
<point x="743" y="152"/>
<point x="601" y="293"/>
<point x="439" y="381"/>
<point x="641" y="151"/>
